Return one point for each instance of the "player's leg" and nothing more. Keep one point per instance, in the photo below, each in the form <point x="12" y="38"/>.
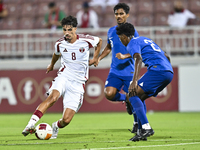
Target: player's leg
<point x="110" y="93"/>
<point x="72" y="101"/>
<point x="129" y="107"/>
<point x="152" y="83"/>
<point x="137" y="133"/>
<point x="135" y="123"/>
<point x="140" y="111"/>
<point x="112" y="87"/>
<point x="146" y="130"/>
<point x="68" y="114"/>
<point x="137" y="126"/>
<point x="139" y="122"/>
<point x="140" y="107"/>
<point x="41" y="109"/>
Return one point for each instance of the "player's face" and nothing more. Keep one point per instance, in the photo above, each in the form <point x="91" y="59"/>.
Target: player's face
<point x="52" y="9"/>
<point x="124" y="39"/>
<point x="70" y="33"/>
<point x="121" y="16"/>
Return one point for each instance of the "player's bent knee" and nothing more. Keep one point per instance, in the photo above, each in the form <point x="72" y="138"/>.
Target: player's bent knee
<point x="50" y="101"/>
<point x="109" y="94"/>
<point x="53" y="98"/>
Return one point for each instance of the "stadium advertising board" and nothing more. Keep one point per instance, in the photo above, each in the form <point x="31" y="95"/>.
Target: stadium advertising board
<point x="22" y="90"/>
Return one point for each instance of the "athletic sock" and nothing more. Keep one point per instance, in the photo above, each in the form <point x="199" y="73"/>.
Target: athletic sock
<point x="35" y="118"/>
<point x="145" y="108"/>
<point x="138" y="107"/>
<point x="59" y="125"/>
<point x="146" y="126"/>
<point x="135" y="117"/>
<point x="119" y="97"/>
<point x="139" y="124"/>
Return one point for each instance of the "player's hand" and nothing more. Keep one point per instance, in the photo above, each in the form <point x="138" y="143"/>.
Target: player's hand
<point x="91" y="62"/>
<point x="132" y="90"/>
<point x="120" y="56"/>
<point x="94" y="62"/>
<point x="49" y="68"/>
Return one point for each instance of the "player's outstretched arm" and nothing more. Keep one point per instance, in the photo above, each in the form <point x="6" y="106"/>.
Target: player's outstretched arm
<point x="53" y="61"/>
<point x="122" y="56"/>
<point x="96" y="54"/>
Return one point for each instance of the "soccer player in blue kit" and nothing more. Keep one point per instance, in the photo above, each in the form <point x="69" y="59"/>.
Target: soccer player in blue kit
<point x="159" y="73"/>
<point x="121" y="71"/>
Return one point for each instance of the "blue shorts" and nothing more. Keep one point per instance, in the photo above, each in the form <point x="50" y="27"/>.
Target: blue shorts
<point x="118" y="82"/>
<point x="152" y="82"/>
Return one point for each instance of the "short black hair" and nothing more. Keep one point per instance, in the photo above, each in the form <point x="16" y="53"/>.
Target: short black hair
<point x="126" y="29"/>
<point x="69" y="20"/>
<point x="124" y="6"/>
<point x="52" y="4"/>
<point x="85" y="5"/>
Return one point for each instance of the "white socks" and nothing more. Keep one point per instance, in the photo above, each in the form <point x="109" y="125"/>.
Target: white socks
<point x="34" y="119"/>
<point x="146" y="126"/>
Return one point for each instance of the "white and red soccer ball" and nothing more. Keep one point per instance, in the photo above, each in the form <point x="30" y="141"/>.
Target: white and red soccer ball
<point x="43" y="131"/>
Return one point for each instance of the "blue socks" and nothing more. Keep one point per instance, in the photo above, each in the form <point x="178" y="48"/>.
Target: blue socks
<point x="139" y="108"/>
<point x="138" y="120"/>
<point x="119" y="97"/>
<point x="135" y="117"/>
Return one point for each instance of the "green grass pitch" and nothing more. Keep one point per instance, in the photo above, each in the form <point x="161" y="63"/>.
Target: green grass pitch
<point x="104" y="131"/>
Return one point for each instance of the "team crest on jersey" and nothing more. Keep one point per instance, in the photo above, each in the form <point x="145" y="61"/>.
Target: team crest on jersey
<point x="82" y="49"/>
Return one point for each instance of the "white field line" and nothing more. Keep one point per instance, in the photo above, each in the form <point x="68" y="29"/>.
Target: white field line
<point x="131" y="147"/>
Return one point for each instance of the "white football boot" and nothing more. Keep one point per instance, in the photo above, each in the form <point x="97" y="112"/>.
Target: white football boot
<point x="55" y="130"/>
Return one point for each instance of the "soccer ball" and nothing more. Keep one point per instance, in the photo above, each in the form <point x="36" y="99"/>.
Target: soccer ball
<point x="43" y="131"/>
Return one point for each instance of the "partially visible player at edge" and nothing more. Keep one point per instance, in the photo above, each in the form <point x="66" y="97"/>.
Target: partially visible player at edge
<point x="71" y="77"/>
<point x="159" y="73"/>
<point x="121" y="71"/>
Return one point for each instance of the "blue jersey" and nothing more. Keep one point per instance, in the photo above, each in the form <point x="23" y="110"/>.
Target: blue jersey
<point x="119" y="67"/>
<point x="152" y="56"/>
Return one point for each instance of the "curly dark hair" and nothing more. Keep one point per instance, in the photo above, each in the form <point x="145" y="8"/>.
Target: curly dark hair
<point x="69" y="20"/>
<point x="126" y="29"/>
<point x="124" y="6"/>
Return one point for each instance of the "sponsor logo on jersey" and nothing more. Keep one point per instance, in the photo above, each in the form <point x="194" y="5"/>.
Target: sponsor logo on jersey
<point x="81" y="49"/>
<point x="65" y="50"/>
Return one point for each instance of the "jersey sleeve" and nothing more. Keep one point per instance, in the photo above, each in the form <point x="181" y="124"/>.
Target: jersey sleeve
<point x="57" y="48"/>
<point x="92" y="40"/>
<point x="133" y="48"/>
